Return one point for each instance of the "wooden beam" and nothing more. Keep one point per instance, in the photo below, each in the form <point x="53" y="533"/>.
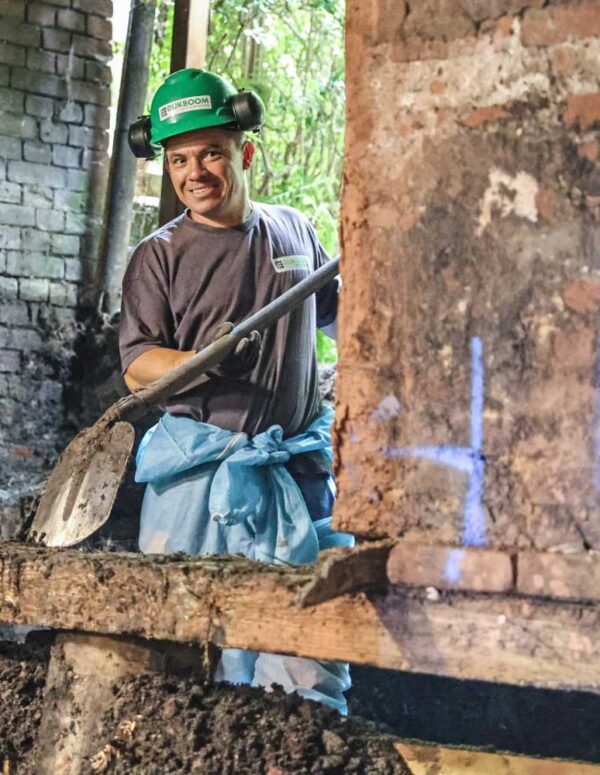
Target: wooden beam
<point x="364" y="570"/>
<point x="189" y="47"/>
<point x="232" y="602"/>
<point x="197" y="33"/>
<point x="436" y="760"/>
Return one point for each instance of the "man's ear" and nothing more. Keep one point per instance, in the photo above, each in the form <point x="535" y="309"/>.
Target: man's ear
<point x="247" y="154"/>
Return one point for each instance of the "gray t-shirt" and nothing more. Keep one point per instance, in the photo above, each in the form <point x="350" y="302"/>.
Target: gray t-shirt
<point x="186" y="278"/>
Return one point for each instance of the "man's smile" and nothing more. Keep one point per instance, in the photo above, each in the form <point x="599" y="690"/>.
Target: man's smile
<point x="204" y="188"/>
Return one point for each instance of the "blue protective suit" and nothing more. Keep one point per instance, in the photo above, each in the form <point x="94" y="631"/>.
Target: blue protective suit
<point x="212" y="491"/>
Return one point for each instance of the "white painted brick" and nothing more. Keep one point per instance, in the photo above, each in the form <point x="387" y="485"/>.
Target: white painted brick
<point x="28" y="172"/>
<point x="10" y="360"/>
<point x="63" y="294"/>
<point x="37" y="152"/>
<point x="17" y="215"/>
<point x="10" y="192"/>
<point x="10" y="237"/>
<point x="50" y="220"/>
<point x="34" y="290"/>
<point x="65" y="244"/>
<point x="34" y="265"/>
<point x="9" y="288"/>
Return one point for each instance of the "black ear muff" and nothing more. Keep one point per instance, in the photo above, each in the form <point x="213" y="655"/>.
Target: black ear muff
<point x="139" y="139"/>
<point x="249" y="111"/>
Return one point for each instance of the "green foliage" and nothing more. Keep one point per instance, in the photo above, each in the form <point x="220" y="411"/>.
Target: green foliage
<point x="326" y="349"/>
<point x="292" y="53"/>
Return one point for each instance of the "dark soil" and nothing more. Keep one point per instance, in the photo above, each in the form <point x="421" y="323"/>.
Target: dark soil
<point x="160" y="724"/>
<point x="22" y="679"/>
<point x="164" y="724"/>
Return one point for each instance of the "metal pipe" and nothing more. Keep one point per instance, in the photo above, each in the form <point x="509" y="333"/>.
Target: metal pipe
<point x="123" y="165"/>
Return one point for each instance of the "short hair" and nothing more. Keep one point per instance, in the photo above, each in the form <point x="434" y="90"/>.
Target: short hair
<point x="238" y="134"/>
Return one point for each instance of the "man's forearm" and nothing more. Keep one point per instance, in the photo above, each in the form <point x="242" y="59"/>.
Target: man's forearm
<point x="154" y="364"/>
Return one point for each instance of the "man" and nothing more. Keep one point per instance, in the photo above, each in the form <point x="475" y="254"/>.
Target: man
<point x="241" y="461"/>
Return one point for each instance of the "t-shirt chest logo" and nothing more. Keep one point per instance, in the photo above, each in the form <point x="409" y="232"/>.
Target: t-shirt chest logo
<point x="288" y="263"/>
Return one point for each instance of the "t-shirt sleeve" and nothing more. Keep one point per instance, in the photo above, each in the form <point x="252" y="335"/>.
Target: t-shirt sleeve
<point x="327" y="297"/>
<point x="146" y="318"/>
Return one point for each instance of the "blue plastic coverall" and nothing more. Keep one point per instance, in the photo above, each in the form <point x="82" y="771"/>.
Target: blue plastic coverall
<point x="212" y="491"/>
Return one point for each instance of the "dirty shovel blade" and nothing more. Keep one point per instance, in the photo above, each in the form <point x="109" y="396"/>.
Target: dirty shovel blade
<point x="82" y="488"/>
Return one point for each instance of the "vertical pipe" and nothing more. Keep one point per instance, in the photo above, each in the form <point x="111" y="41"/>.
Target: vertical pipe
<point x="121" y="182"/>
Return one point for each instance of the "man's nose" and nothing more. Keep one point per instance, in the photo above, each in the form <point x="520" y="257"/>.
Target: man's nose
<point x="197" y="167"/>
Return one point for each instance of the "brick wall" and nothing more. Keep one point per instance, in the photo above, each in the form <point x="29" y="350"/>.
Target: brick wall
<point x="54" y="114"/>
<point x="468" y="380"/>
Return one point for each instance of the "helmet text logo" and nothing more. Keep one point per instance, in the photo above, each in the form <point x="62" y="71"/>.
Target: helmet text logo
<point x="172" y="109"/>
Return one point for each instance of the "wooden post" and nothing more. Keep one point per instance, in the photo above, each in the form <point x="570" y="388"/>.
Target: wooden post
<point x="82" y="671"/>
<point x="190" y="36"/>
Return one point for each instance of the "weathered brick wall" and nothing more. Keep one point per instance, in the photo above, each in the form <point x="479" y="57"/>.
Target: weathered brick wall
<point x="54" y="98"/>
<point x="468" y="406"/>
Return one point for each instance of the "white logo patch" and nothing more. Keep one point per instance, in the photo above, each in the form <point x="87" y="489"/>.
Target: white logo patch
<point x="288" y="263"/>
<point x="171" y="109"/>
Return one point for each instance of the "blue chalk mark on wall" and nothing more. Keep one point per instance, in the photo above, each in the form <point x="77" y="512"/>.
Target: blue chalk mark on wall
<point x="597" y="435"/>
<point x="469" y="460"/>
<point x="452" y="571"/>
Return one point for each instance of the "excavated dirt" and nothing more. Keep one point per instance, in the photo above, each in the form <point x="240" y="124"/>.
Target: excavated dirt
<point x="22" y="677"/>
<point x="166" y="724"/>
<point x="159" y="724"/>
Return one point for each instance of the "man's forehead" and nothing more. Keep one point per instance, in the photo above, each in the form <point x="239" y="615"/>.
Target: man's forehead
<point x="200" y="138"/>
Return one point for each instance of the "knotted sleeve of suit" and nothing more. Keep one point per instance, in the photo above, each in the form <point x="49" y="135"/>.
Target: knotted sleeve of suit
<point x="213" y="491"/>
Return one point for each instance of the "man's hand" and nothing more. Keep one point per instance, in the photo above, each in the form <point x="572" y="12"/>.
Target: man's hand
<point x="245" y="356"/>
<point x="155" y="363"/>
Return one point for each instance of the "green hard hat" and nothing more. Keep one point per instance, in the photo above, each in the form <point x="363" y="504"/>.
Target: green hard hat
<point x="192" y="99"/>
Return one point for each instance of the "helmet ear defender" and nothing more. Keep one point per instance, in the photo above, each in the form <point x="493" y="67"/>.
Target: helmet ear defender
<point x="246" y="106"/>
<point x="248" y="110"/>
<point x="139" y="139"/>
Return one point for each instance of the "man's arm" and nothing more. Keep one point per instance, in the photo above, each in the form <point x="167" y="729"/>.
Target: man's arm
<point x="153" y="364"/>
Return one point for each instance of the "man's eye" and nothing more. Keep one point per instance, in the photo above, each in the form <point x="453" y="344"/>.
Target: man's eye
<point x="213" y="154"/>
<point x="177" y="161"/>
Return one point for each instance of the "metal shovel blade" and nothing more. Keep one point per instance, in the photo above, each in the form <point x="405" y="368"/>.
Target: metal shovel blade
<point x="82" y="488"/>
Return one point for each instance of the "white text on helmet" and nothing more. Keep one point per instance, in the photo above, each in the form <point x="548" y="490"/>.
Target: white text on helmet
<point x="171" y="109"/>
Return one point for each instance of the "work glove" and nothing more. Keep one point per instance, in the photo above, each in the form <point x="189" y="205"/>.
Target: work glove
<point x="245" y="355"/>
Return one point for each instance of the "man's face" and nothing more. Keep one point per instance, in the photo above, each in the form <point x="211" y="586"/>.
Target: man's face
<point x="207" y="171"/>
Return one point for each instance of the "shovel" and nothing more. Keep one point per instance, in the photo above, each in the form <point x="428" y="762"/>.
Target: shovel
<point x="82" y="488"/>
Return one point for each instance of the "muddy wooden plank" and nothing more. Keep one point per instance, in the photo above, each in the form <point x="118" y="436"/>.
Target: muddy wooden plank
<point x="236" y="603"/>
<point x="435" y="760"/>
<point x="363" y="570"/>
